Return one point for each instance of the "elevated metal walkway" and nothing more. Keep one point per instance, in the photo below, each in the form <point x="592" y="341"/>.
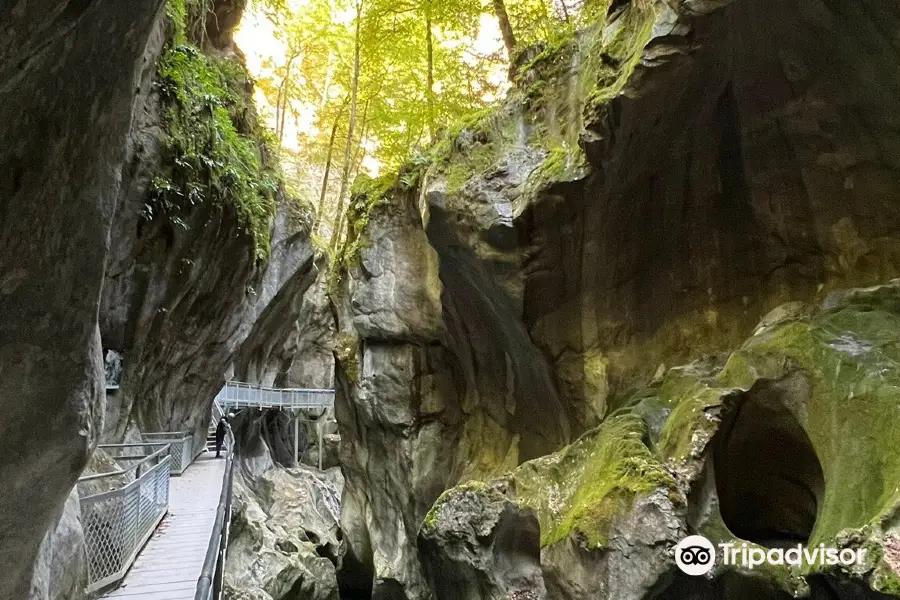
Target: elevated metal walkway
<point x="159" y="526"/>
<point x="158" y="535"/>
<point x="237" y="395"/>
<point x="171" y="564"/>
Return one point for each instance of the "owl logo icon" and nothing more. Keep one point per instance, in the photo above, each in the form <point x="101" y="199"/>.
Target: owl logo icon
<point x="695" y="555"/>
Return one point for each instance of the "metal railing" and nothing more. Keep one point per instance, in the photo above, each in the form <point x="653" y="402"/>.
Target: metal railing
<point x="243" y="395"/>
<point x="209" y="585"/>
<point x="182" y="443"/>
<point x="117" y="523"/>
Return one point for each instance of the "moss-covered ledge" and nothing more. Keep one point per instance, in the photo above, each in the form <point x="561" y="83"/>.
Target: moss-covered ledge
<point x="215" y="150"/>
<point x="835" y="371"/>
<point x="807" y="408"/>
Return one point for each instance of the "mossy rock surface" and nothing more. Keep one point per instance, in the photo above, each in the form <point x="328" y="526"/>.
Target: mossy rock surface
<point x="833" y="371"/>
<point x="846" y="357"/>
<point x="582" y="488"/>
<point x="215" y="149"/>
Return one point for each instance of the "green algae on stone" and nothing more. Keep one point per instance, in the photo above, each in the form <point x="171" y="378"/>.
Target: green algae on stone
<point x="582" y="488"/>
<point x="212" y="148"/>
<point x="557" y="93"/>
<point x="851" y="357"/>
<point x="215" y="151"/>
<point x="835" y="372"/>
<point x="848" y="356"/>
<point x="475" y="487"/>
<point x="346" y="350"/>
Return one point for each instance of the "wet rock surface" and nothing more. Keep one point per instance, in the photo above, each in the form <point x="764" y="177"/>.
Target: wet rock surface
<point x="796" y="400"/>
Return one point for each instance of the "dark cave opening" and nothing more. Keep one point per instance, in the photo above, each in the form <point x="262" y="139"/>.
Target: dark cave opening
<point x="768" y="477"/>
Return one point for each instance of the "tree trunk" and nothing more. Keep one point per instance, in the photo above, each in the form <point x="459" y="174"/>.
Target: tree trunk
<point x="281" y="102"/>
<point x="429" y="92"/>
<point x="506" y="30"/>
<point x="321" y="210"/>
<point x="354" y="93"/>
<point x="359" y="154"/>
<point x="565" y="10"/>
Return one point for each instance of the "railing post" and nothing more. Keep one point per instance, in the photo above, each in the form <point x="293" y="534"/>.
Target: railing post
<point x="137" y="512"/>
<point x="321" y="429"/>
<point x="297" y="439"/>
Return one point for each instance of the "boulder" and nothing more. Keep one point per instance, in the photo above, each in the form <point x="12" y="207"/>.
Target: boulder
<point x="477" y="545"/>
<point x="285" y="539"/>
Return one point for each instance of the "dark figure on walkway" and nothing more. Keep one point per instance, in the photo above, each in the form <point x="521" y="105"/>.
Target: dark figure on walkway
<point x="220" y="435"/>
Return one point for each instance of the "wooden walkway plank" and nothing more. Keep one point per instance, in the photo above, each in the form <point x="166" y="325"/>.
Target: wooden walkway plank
<point x="169" y="565"/>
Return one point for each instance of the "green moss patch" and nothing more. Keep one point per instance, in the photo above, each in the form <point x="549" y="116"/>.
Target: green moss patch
<point x="214" y="148"/>
<point x="581" y="489"/>
<point x="848" y="355"/>
<point x="556" y="94"/>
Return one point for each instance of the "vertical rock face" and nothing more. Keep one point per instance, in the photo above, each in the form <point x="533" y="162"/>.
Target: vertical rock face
<point x="61" y="571"/>
<point x="311" y="345"/>
<point x="787" y="441"/>
<point x="185" y="298"/>
<point x="440" y="383"/>
<point x="66" y="101"/>
<point x="725" y="163"/>
<point x="82" y="141"/>
<point x="389" y="417"/>
<point x="757" y="165"/>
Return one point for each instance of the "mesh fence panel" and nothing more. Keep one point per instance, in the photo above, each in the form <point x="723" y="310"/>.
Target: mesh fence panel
<point x="117" y="523"/>
<point x="181" y="448"/>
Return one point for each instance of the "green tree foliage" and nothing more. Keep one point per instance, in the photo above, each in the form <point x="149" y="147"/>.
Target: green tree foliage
<point x="374" y="82"/>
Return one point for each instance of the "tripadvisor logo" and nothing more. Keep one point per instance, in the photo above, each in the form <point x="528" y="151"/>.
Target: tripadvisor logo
<point x="696" y="555"/>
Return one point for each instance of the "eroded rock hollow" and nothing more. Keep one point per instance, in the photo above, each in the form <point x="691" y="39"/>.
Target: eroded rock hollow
<point x="690" y="182"/>
<point x="648" y="193"/>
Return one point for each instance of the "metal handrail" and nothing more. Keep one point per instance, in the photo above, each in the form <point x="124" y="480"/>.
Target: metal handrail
<point x="182" y="443"/>
<point x="117" y="523"/>
<point x="254" y="386"/>
<point x="240" y="394"/>
<point x="164" y="448"/>
<point x="209" y="584"/>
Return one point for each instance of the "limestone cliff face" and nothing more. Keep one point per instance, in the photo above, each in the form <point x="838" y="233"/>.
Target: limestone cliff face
<point x="291" y="345"/>
<point x="86" y="230"/>
<point x="750" y="163"/>
<point x="185" y="297"/>
<point x="63" y="132"/>
<point x="785" y="441"/>
<point x="653" y="188"/>
<point x="285" y="540"/>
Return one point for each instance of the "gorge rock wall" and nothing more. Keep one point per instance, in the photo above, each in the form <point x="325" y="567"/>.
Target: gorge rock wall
<point x="64" y="130"/>
<point x="87" y="266"/>
<point x="785" y="441"/>
<point x="186" y="297"/>
<point x="652" y="188"/>
<point x="291" y="345"/>
<point x="286" y="542"/>
<point x="756" y="165"/>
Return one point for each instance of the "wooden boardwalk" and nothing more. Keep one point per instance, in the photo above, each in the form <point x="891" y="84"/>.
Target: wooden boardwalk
<point x="169" y="565"/>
